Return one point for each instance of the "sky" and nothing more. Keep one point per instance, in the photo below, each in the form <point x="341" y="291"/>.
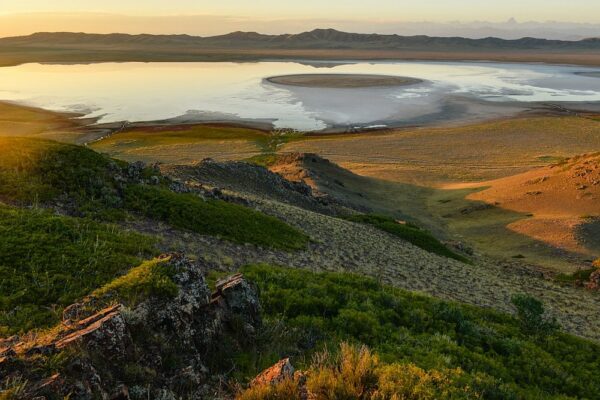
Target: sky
<point x="277" y="16"/>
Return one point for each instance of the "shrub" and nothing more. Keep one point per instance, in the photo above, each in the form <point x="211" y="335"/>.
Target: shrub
<point x="356" y="373"/>
<point x="213" y="217"/>
<point x="495" y="356"/>
<point x="531" y="315"/>
<point x="409" y="232"/>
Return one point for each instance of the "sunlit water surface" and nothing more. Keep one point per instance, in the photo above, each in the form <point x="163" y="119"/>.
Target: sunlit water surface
<point x="237" y="91"/>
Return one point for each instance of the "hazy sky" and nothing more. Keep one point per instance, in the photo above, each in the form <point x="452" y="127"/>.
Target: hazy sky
<point x="491" y="10"/>
<point x="212" y="16"/>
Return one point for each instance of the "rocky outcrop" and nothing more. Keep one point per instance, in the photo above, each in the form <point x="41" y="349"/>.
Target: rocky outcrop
<point x="594" y="281"/>
<point x="235" y="181"/>
<point x="281" y="371"/>
<point x="160" y="348"/>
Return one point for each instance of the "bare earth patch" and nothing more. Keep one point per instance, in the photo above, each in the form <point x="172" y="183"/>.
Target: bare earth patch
<point x="559" y="198"/>
<point x="342" y="81"/>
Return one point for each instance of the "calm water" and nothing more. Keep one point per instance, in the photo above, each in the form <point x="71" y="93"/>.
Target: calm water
<point x="233" y="91"/>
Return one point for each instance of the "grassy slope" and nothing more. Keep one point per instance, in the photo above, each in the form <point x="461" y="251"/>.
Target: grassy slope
<point x="410" y="233"/>
<point x="401" y="162"/>
<point x="183" y="144"/>
<point x="436" y="156"/>
<point x="40" y="171"/>
<point x="213" y="217"/>
<point x="49" y="261"/>
<point x="497" y="356"/>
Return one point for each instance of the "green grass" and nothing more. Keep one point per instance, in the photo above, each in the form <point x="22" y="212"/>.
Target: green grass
<point x="161" y="136"/>
<point x="213" y="217"/>
<point x="152" y="278"/>
<point x="39" y="171"/>
<point x="578" y="276"/>
<point x="87" y="184"/>
<point x="49" y="261"/>
<point x="411" y="233"/>
<point x="499" y="358"/>
<point x="264" y="160"/>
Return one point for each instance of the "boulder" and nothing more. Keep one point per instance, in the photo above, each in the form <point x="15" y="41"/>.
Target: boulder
<point x="594" y="282"/>
<point x="277" y="373"/>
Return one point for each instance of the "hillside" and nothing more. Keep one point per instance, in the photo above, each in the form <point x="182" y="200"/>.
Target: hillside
<point x="316" y="39"/>
<point x="562" y="199"/>
<point x="321" y="43"/>
<point x="88" y="307"/>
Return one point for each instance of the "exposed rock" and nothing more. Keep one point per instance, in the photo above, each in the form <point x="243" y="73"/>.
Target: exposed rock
<point x="277" y="373"/>
<point x="106" y="347"/>
<point x="594" y="282"/>
<point x="222" y="179"/>
<point x="281" y="371"/>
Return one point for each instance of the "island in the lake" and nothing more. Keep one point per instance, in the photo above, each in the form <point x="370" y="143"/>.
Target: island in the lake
<point x="342" y="81"/>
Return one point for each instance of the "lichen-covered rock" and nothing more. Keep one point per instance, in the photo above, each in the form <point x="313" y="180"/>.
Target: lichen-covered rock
<point x="160" y="348"/>
<point x="594" y="282"/>
<point x="277" y="373"/>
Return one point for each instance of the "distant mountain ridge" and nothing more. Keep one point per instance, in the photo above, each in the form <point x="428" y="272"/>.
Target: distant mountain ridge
<point x="318" y="44"/>
<point x="316" y="39"/>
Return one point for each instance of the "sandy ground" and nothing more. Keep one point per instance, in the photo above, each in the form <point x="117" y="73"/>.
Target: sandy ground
<point x="18" y="120"/>
<point x="560" y="198"/>
<point x="341" y="81"/>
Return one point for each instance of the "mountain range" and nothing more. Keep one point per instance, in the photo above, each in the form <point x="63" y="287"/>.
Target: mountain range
<point x="315" y="39"/>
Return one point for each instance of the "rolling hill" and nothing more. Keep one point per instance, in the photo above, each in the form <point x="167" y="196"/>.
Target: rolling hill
<point x="319" y="43"/>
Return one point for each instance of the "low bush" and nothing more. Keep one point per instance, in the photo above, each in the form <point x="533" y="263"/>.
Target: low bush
<point x="532" y="316"/>
<point x="356" y="373"/>
<point x="213" y="217"/>
<point x="409" y="232"/>
<point x="497" y="357"/>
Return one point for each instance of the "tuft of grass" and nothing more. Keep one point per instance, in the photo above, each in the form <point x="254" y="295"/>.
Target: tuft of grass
<point x="264" y="160"/>
<point x="409" y="232"/>
<point x="49" y="261"/>
<point x="356" y="373"/>
<point x="578" y="276"/>
<point x="497" y="357"/>
<point x="153" y="278"/>
<point x="213" y="217"/>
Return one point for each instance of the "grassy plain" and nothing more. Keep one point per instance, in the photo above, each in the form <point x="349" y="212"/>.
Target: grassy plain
<point x="183" y="143"/>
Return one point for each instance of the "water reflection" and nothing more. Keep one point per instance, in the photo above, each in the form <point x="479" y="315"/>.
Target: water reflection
<point x="201" y="91"/>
